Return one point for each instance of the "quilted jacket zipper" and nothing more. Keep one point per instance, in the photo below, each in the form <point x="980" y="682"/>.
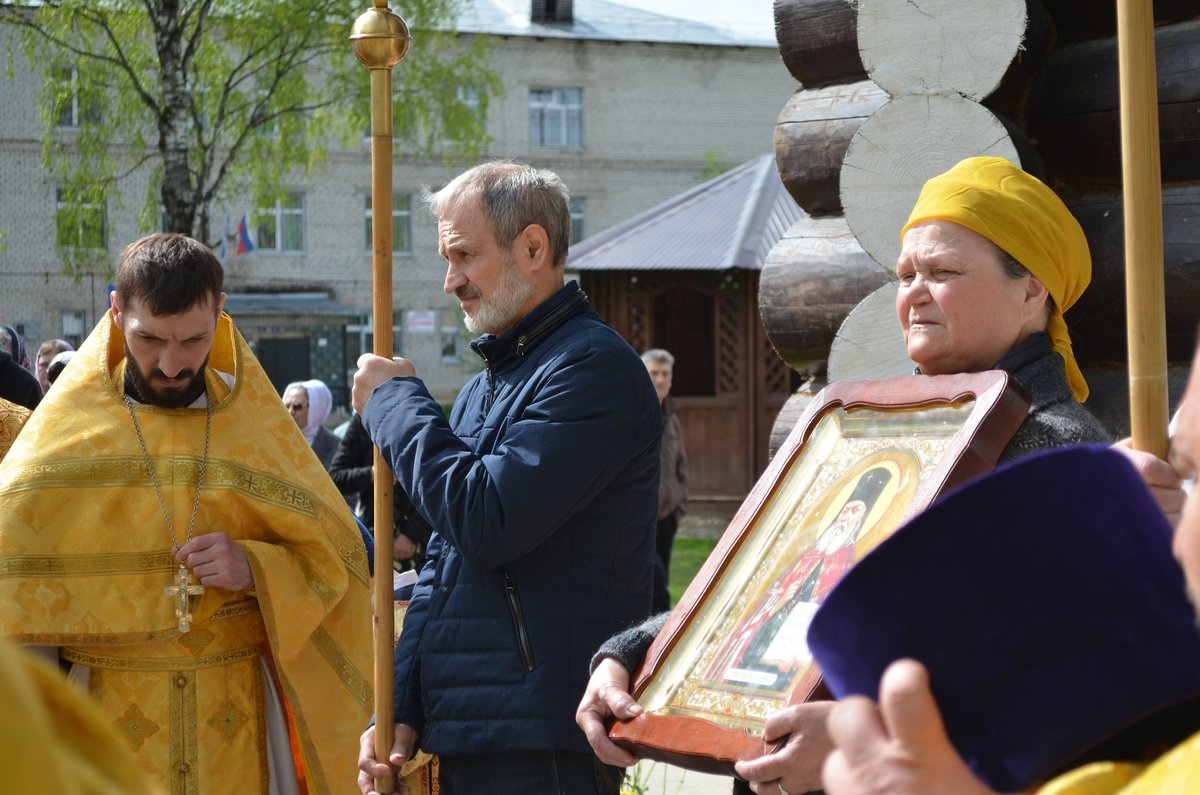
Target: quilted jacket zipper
<point x="491" y="379"/>
<point x="518" y="617"/>
<point x="550" y="321"/>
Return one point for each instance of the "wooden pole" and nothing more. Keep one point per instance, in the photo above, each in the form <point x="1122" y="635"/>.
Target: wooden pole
<point x="380" y="40"/>
<point x="1142" y="181"/>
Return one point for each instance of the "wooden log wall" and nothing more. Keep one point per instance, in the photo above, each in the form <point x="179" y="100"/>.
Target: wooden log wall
<point x="1075" y="100"/>
<point x="892" y="92"/>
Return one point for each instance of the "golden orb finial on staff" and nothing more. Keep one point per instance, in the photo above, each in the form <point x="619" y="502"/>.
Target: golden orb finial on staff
<point x="380" y="37"/>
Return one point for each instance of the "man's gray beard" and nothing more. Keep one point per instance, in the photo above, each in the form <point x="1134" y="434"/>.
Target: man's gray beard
<point x="501" y="310"/>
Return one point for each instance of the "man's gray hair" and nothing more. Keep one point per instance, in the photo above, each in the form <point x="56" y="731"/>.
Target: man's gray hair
<point x="659" y="356"/>
<point x="513" y="196"/>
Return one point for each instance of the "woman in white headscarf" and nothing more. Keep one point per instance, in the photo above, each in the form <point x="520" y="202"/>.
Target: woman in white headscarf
<point x="309" y="403"/>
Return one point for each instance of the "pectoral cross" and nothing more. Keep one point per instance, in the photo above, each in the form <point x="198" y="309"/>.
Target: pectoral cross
<point x="182" y="590"/>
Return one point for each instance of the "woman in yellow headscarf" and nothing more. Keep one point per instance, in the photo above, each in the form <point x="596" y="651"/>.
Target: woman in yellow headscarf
<point x="990" y="259"/>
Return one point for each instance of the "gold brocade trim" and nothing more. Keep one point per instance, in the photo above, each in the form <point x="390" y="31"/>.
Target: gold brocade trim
<point x="100" y="471"/>
<point x="326" y="592"/>
<point x="173" y="470"/>
<point x="260" y="711"/>
<point x="234" y="609"/>
<point x="158" y="664"/>
<point x="184" y="768"/>
<point x="358" y="685"/>
<point x="83" y="565"/>
<point x="260" y="486"/>
<point x="348" y="542"/>
<point x="354" y="553"/>
<point x="90" y="638"/>
<point x="313" y="768"/>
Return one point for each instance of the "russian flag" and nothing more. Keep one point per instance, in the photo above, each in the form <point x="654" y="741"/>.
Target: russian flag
<point x="244" y="246"/>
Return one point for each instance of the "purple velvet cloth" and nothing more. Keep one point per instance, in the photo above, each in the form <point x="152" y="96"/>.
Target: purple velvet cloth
<point x="1045" y="602"/>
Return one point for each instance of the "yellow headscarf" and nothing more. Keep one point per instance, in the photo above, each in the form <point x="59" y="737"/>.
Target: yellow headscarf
<point x="1020" y="214"/>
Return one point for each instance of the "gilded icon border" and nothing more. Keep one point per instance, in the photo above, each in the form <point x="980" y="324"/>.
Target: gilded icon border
<point x="864" y="456"/>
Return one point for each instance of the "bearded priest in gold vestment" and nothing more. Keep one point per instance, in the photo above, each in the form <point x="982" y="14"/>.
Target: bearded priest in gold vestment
<point x="166" y="529"/>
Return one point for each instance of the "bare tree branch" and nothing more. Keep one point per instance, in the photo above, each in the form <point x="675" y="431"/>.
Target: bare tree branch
<point x="141" y="161"/>
<point x="122" y="61"/>
<point x="198" y="29"/>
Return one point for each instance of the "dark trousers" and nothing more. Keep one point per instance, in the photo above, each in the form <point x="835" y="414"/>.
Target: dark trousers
<point x="664" y="539"/>
<point x="527" y="773"/>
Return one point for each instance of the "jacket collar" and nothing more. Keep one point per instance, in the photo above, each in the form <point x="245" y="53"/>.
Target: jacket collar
<point x="1028" y="351"/>
<point x="1039" y="369"/>
<point x="533" y="328"/>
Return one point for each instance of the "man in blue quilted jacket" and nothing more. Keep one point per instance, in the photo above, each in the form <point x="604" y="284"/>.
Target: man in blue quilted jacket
<point x="542" y="487"/>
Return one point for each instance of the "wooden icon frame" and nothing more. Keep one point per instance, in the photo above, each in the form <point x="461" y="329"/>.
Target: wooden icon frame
<point x="864" y="456"/>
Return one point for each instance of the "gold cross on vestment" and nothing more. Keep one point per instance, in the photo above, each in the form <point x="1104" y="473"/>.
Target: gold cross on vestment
<point x="182" y="591"/>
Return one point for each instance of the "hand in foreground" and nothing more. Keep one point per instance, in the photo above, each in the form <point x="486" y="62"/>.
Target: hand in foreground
<point x="607" y="696"/>
<point x="217" y="561"/>
<point x="372" y="371"/>
<point x="1162" y="479"/>
<point x="795" y="767"/>
<point x="897" y="748"/>
<point x="404" y="747"/>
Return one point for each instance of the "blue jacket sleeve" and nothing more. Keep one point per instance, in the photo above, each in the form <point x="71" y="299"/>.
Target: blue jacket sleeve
<point x="407" y="663"/>
<point x="568" y="436"/>
<point x="368" y="542"/>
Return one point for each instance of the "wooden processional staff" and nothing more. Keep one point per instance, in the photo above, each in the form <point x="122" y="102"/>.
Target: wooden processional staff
<point x="380" y="40"/>
<point x="1142" y="181"/>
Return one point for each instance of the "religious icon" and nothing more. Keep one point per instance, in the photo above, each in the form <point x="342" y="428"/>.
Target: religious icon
<point x="768" y="647"/>
<point x="863" y="457"/>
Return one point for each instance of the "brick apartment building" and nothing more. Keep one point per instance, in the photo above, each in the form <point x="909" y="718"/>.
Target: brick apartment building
<point x="625" y="105"/>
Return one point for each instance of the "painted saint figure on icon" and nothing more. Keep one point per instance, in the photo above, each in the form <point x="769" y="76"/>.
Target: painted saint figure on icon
<point x="770" y="644"/>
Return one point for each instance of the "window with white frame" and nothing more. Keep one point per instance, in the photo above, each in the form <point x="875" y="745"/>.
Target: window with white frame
<point x="79" y="225"/>
<point x="74" y="326"/>
<point x="401" y="223"/>
<point x="74" y="110"/>
<point x="578" y="207"/>
<point x="281" y="223"/>
<point x="360" y="339"/>
<point x="469" y="96"/>
<point x="450" y="336"/>
<point x="556" y="118"/>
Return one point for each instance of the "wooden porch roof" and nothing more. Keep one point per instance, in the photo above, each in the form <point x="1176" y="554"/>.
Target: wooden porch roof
<point x="731" y="221"/>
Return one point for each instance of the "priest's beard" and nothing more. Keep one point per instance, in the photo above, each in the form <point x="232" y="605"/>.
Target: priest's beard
<point x="165" y="397"/>
<point x="499" y="311"/>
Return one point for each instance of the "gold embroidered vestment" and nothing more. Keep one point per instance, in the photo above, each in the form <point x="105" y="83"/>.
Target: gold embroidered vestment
<point x="85" y="555"/>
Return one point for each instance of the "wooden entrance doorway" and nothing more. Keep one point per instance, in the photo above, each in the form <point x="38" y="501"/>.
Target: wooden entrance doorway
<point x="728" y="384"/>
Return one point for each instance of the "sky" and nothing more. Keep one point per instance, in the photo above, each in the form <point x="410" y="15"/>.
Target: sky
<point x="755" y="17"/>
